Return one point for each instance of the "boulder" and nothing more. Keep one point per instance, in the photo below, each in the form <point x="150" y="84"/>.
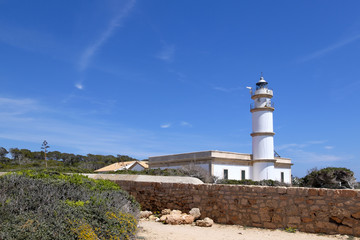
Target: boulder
<point x="164" y="217"/>
<point x="165" y="211"/>
<point x="206" y="222"/>
<point x="188" y="219"/>
<point x="145" y="214"/>
<point x="174" y="219"/>
<point x="195" y="212"/>
<point x="175" y="212"/>
<point x="152" y="218"/>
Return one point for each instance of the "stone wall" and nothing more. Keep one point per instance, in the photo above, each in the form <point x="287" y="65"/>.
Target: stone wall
<point x="306" y="209"/>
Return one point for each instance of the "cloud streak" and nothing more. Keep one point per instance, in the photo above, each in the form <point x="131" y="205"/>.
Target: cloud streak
<point x="167" y="53"/>
<point x="330" y="48"/>
<point x="90" y="51"/>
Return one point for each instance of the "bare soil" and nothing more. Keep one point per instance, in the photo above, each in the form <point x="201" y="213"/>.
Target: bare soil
<point x="149" y="230"/>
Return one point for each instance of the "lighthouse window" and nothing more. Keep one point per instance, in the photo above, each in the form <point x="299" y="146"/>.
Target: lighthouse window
<point x="242" y="174"/>
<point x="226" y="176"/>
<point x="282" y="176"/>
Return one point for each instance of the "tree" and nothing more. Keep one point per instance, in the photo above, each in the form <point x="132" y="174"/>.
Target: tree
<point x="3" y="153"/>
<point x="330" y="178"/>
<point x="45" y="146"/>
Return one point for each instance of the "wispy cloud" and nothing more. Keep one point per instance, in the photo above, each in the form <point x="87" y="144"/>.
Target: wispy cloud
<point x="166" y="125"/>
<point x="79" y="86"/>
<point x="185" y="124"/>
<point x="13" y="106"/>
<point x="329" y="147"/>
<point x="330" y="48"/>
<point x="167" y="53"/>
<point x="223" y="89"/>
<point x="90" y="51"/>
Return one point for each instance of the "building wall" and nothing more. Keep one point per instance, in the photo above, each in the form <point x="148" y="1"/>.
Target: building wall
<point x="234" y="172"/>
<point x="287" y="174"/>
<point x="306" y="209"/>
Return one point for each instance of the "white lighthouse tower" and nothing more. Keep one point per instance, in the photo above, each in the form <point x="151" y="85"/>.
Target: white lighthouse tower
<point x="262" y="132"/>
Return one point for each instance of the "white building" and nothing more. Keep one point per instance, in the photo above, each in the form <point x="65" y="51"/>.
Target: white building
<point x="261" y="164"/>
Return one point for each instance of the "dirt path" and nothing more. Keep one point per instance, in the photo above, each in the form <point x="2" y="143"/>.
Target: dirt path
<point x="153" y="230"/>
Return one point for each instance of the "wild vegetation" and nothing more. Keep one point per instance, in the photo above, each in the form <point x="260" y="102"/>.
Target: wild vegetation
<point x="329" y="177"/>
<point x="51" y="205"/>
<point x="17" y="159"/>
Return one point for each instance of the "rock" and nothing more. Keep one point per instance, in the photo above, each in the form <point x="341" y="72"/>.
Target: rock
<point x="164" y="217"/>
<point x="195" y="212"/>
<point x="165" y="211"/>
<point x="152" y="218"/>
<point x="175" y="212"/>
<point x="157" y="220"/>
<point x="206" y="222"/>
<point x="145" y="214"/>
<point x="174" y="219"/>
<point x="188" y="219"/>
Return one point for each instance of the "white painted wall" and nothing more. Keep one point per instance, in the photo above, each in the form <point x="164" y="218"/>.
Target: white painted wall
<point x="204" y="166"/>
<point x="263" y="147"/>
<point x="263" y="170"/>
<point x="262" y="121"/>
<point x="234" y="171"/>
<point x="287" y="174"/>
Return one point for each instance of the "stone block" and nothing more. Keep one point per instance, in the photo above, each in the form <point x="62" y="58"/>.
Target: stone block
<point x="356" y="215"/>
<point x="313" y="192"/>
<point x="294" y="220"/>
<point x="255" y="218"/>
<point x="345" y="230"/>
<point x="350" y="222"/>
<point x="269" y="225"/>
<point x="306" y="219"/>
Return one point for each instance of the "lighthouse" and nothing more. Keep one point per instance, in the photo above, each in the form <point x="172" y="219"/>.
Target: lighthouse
<point x="262" y="132"/>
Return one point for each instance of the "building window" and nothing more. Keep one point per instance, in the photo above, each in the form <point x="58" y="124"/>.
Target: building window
<point x="242" y="174"/>
<point x="282" y="176"/>
<point x="226" y="176"/>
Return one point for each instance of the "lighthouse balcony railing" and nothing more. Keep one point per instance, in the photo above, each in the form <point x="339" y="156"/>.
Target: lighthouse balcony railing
<point x="264" y="105"/>
<point x="262" y="91"/>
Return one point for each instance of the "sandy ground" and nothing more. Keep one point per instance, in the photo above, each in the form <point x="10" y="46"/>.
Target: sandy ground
<point x="153" y="230"/>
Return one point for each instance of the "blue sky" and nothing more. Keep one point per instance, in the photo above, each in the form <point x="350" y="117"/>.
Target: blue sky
<point x="146" y="78"/>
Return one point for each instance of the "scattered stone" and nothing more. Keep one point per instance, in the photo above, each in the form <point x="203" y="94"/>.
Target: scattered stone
<point x="175" y="212"/>
<point x="195" y="212"/>
<point x="152" y="218"/>
<point x="166" y="211"/>
<point x="174" y="219"/>
<point x="164" y="217"/>
<point x="157" y="220"/>
<point x="145" y="214"/>
<point x="206" y="222"/>
<point x="188" y="219"/>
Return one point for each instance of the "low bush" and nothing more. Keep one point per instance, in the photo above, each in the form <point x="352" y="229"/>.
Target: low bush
<point x="330" y="177"/>
<point x="51" y="205"/>
<point x="251" y="182"/>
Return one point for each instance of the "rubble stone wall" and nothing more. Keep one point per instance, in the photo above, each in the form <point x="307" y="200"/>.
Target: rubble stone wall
<point x="306" y="209"/>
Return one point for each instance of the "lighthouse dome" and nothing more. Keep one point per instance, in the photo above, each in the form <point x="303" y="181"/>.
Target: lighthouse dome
<point x="261" y="83"/>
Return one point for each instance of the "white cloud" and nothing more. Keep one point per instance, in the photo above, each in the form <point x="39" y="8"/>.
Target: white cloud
<point x="13" y="106"/>
<point x="330" y="48"/>
<point x="329" y="147"/>
<point x="222" y="89"/>
<point x="114" y="23"/>
<point x="79" y="86"/>
<point x="167" y="53"/>
<point x="185" y="124"/>
<point x="167" y="125"/>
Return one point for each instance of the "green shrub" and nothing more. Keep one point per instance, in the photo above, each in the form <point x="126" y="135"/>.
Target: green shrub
<point x="51" y="205"/>
<point x="330" y="177"/>
<point x="251" y="182"/>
